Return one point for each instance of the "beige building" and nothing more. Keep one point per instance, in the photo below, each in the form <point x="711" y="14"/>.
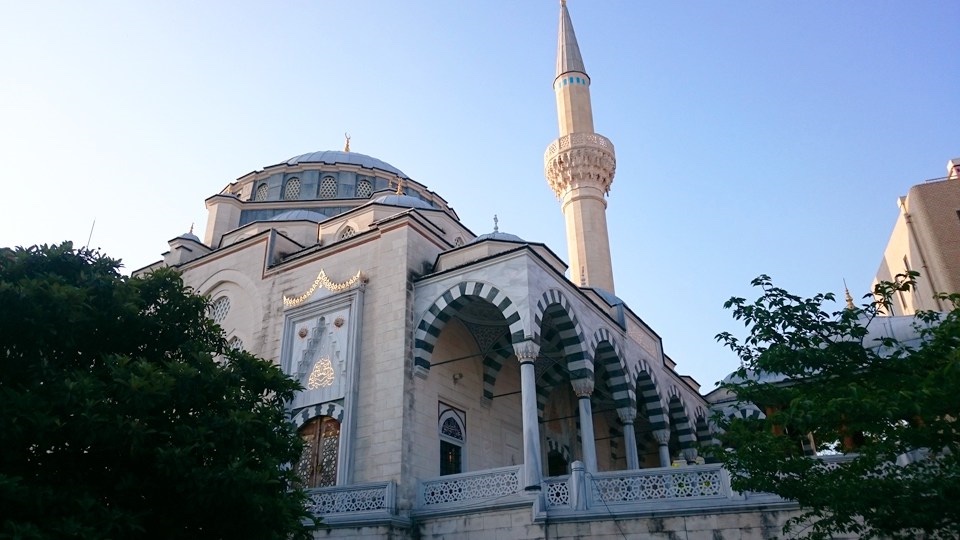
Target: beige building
<point x="460" y="385"/>
<point x="926" y="239"/>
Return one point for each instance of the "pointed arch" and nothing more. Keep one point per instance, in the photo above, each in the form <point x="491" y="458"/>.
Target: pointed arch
<point x="649" y="397"/>
<point x="681" y="422"/>
<point x="493" y="361"/>
<point x="333" y="410"/>
<point x="606" y="352"/>
<point x="555" y="305"/>
<point x="439" y="313"/>
<point x="704" y="433"/>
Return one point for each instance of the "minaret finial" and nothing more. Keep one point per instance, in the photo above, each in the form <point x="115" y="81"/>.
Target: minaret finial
<point x="346" y="144"/>
<point x="847" y="296"/>
<point x="191" y="228"/>
<point x="496" y="224"/>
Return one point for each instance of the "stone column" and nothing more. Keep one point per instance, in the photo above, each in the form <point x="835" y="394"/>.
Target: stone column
<point x="627" y="416"/>
<point x="584" y="388"/>
<point x="527" y="353"/>
<point x="663" y="439"/>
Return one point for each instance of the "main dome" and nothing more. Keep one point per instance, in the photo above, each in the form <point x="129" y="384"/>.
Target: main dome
<point x="331" y="157"/>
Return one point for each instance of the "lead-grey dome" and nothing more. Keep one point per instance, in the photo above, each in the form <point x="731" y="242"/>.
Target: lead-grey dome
<point x="331" y="157"/>
<point x="501" y="236"/>
<point x="305" y="215"/>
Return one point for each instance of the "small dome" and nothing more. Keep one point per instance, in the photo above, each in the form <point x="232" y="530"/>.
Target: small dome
<point x="190" y="236"/>
<point x="304" y="215"/>
<point x="332" y="157"/>
<point x="405" y="201"/>
<point x="499" y="236"/>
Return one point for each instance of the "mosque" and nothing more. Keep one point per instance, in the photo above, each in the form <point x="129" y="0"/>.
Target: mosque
<point x="458" y="385"/>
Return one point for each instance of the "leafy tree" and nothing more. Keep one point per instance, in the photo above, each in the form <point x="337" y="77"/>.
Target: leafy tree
<point x="891" y="405"/>
<point x="124" y="414"/>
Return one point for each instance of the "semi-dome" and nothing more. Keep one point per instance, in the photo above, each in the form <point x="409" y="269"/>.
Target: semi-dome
<point x="406" y="201"/>
<point x="304" y="215"/>
<point x="331" y="157"/>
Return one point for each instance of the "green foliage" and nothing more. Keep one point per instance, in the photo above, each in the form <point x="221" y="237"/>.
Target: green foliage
<point x="891" y="398"/>
<point x="124" y="414"/>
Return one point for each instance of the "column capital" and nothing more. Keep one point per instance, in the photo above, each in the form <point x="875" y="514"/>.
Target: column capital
<point x="627" y="414"/>
<point x="583" y="388"/>
<point x="662" y="436"/>
<point x="526" y="351"/>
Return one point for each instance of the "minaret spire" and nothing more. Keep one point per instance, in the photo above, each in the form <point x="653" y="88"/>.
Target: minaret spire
<point x="580" y="165"/>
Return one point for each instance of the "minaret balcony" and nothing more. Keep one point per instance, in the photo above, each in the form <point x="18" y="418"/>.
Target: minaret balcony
<point x="580" y="160"/>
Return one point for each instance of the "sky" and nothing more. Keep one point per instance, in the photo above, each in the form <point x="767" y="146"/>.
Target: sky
<point x="752" y="137"/>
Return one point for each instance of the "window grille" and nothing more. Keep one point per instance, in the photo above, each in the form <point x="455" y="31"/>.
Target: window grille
<point x="328" y="188"/>
<point x="364" y="189"/>
<point x="292" y="190"/>
<point x="261" y="193"/>
<point x="219" y="308"/>
<point x="347" y="232"/>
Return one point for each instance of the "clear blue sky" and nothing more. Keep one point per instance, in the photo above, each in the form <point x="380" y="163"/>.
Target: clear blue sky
<point x="752" y="137"/>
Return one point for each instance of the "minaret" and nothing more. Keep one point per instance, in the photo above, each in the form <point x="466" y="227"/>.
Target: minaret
<point x="579" y="166"/>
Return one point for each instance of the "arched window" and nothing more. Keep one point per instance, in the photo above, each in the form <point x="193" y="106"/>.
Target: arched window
<point x="292" y="190"/>
<point x="318" y="464"/>
<point x="364" y="189"/>
<point x="218" y="309"/>
<point x="347" y="232"/>
<point x="452" y="438"/>
<point x="328" y="188"/>
<point x="261" y="194"/>
<point x="458" y="241"/>
<point x="235" y="343"/>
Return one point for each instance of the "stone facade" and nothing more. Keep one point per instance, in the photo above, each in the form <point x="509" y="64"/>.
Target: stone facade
<point x="462" y="386"/>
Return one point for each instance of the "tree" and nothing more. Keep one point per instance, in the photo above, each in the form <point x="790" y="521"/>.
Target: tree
<point x="889" y="404"/>
<point x="124" y="413"/>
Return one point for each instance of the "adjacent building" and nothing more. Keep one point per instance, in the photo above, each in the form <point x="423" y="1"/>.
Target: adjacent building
<point x="926" y="239"/>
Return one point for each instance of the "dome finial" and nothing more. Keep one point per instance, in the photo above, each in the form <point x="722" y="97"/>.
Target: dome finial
<point x="346" y="143"/>
<point x="847" y="296"/>
<point x="496" y="224"/>
<point x="191" y="228"/>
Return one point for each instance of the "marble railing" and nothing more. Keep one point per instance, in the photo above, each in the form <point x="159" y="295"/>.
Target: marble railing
<point x="581" y="490"/>
<point x="467" y="488"/>
<point x="356" y="499"/>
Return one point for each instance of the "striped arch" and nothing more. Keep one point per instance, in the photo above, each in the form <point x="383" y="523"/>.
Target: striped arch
<point x="333" y="410"/>
<point x="548" y="380"/>
<point x="554" y="304"/>
<point x="678" y="417"/>
<point x="648" y="396"/>
<point x="704" y="435"/>
<point x="606" y="352"/>
<point x="437" y="315"/>
<point x="493" y="361"/>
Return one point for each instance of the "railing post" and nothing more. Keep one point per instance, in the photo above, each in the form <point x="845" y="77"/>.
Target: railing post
<point x="578" y="492"/>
